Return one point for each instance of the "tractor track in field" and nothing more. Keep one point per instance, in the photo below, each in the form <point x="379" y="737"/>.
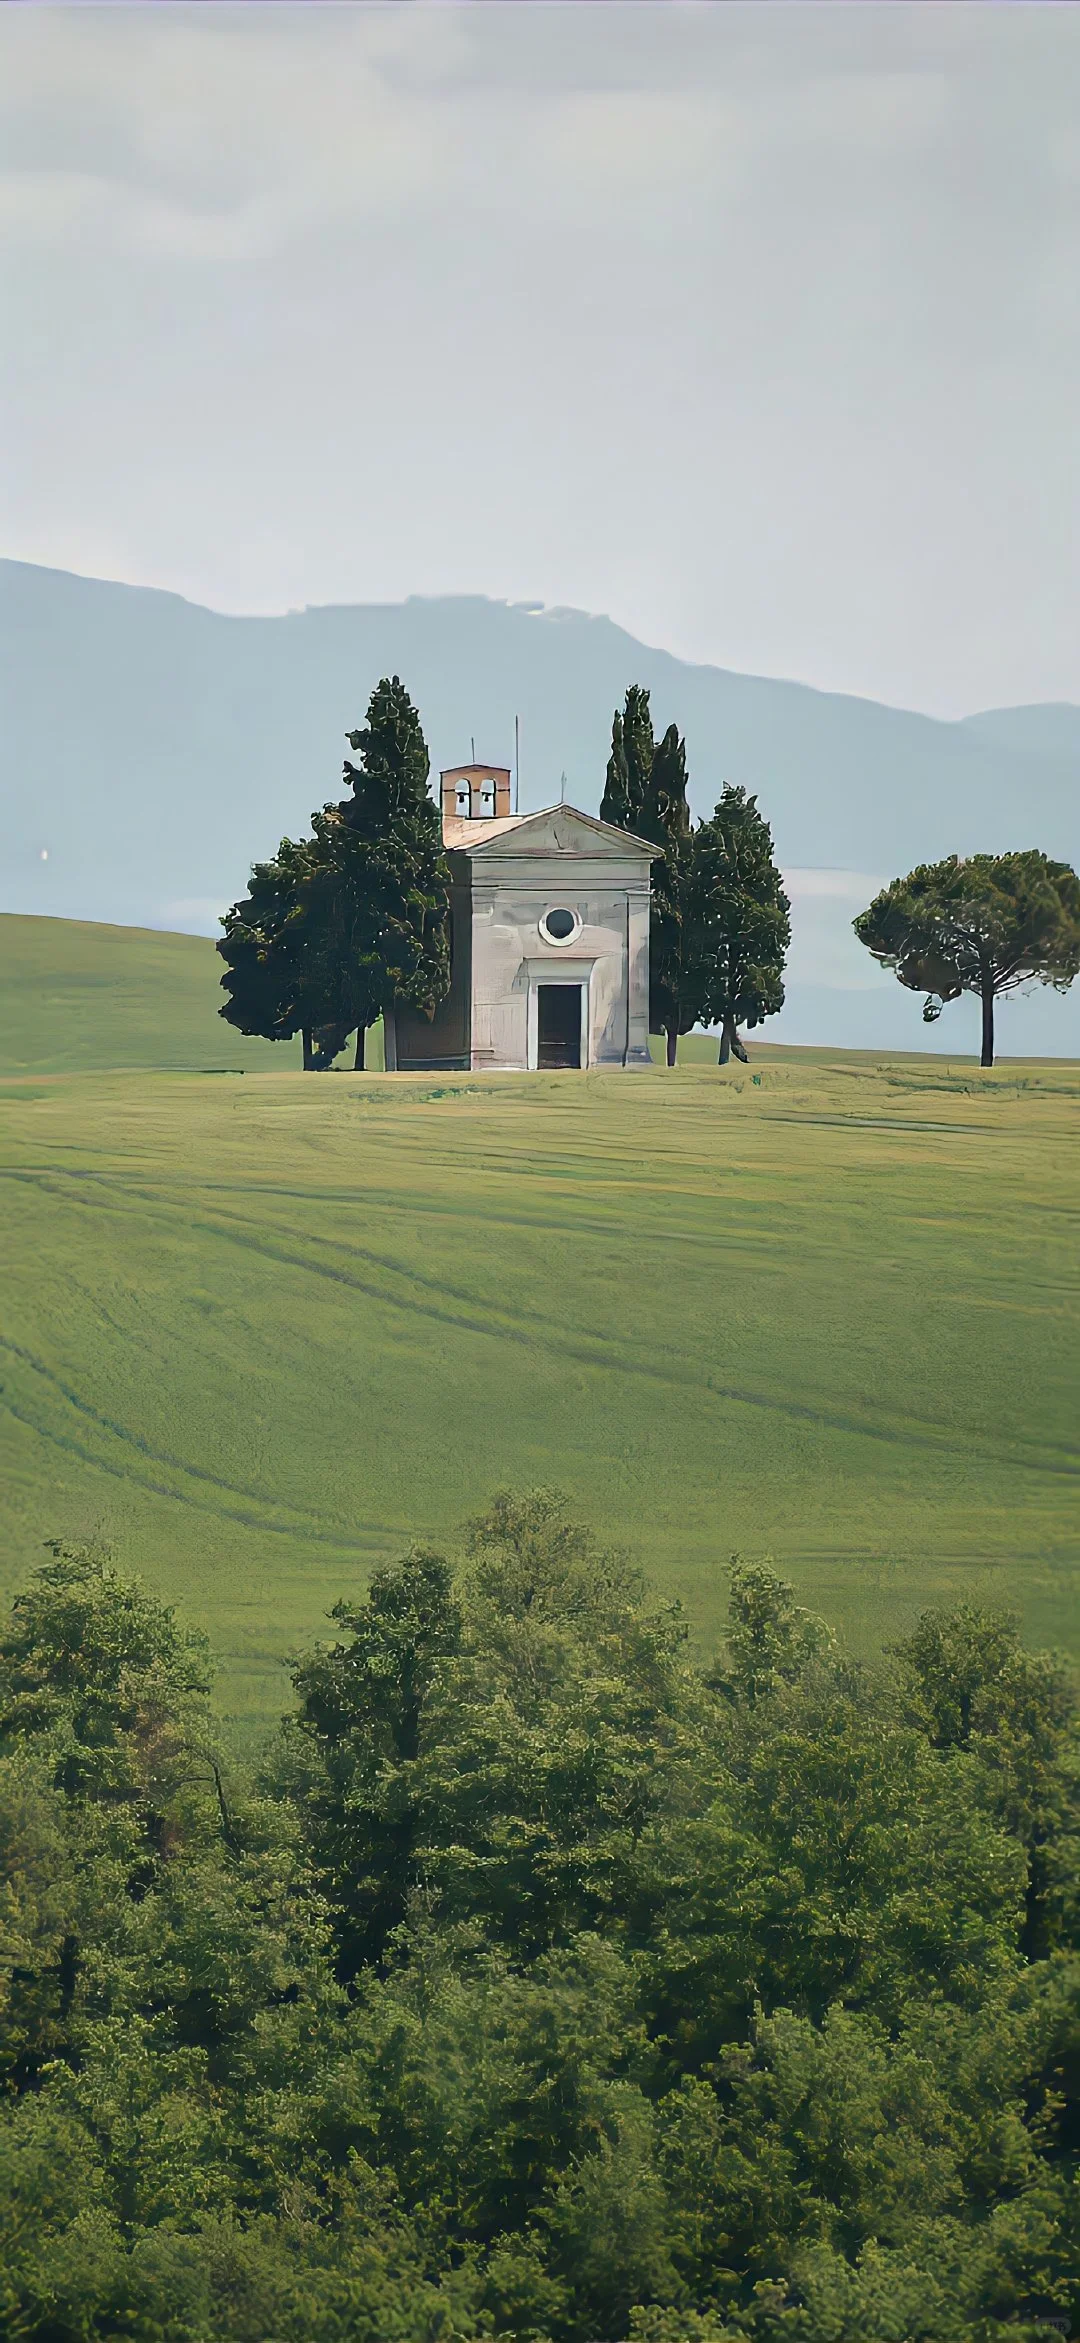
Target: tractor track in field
<point x="530" y="1331"/>
<point x="341" y="1543"/>
<point x="300" y="1526"/>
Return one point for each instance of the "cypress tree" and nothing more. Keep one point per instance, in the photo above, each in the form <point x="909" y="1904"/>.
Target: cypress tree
<point x="615" y="803"/>
<point x="645" y="792"/>
<point x="664" y="817"/>
<point x="629" y="770"/>
<point x="336" y="929"/>
<point x="738" y="926"/>
<point x="639" y="749"/>
<point x="383" y="871"/>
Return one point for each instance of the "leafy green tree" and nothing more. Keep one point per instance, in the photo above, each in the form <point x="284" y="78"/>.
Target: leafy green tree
<point x="771" y="1640"/>
<point x="608" y="2223"/>
<point x="106" y="1753"/>
<point x="737" y="920"/>
<point x="983" y="924"/>
<point x="681" y="2005"/>
<point x="364" y="1709"/>
<point x="832" y="2164"/>
<point x="98" y="1669"/>
<point x="539" y="1746"/>
<point x="969" y="1684"/>
<point x="382" y="872"/>
<point x="276" y="964"/>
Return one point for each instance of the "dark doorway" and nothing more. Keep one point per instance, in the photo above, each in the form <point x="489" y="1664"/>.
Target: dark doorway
<point x="558" y="1025"/>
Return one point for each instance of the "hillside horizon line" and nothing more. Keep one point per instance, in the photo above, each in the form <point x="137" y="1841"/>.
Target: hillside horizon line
<point x="156" y="748"/>
<point x="528" y="607"/>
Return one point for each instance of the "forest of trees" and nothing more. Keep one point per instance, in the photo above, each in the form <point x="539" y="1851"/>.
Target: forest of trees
<point x="545" y="1979"/>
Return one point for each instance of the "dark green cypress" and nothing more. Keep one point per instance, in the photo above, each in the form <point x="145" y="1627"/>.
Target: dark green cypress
<point x="738" y="927"/>
<point x="664" y="816"/>
<point x="615" y="803"/>
<point x="639" y="749"/>
<point x="384" y="872"/>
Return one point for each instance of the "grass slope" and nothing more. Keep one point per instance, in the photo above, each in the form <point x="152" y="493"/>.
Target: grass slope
<point x="74" y="994"/>
<point x="260" y="1331"/>
<point x="79" y="996"/>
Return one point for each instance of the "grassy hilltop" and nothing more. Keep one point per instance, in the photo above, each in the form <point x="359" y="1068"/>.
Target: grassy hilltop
<point x="258" y="1331"/>
<point x="76" y="996"/>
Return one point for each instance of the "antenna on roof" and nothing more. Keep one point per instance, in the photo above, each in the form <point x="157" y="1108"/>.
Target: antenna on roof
<point x="517" y="764"/>
<point x="562" y="790"/>
<point x="472" y="745"/>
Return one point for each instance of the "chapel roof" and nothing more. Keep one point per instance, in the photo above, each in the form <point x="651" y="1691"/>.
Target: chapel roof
<point x="460" y="831"/>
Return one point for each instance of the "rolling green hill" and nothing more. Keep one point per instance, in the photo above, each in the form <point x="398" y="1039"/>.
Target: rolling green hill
<point x="259" y="1331"/>
<point x="76" y="996"/>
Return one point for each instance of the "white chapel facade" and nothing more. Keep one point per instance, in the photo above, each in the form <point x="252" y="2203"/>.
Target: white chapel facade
<point x="549" y="950"/>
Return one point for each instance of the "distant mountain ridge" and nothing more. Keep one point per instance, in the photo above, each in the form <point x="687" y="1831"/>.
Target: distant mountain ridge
<point x="151" y="749"/>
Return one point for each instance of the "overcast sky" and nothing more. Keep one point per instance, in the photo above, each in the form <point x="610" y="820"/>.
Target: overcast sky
<point x="756" y="327"/>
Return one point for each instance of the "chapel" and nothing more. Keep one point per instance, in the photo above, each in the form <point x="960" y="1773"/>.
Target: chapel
<point x="549" y="942"/>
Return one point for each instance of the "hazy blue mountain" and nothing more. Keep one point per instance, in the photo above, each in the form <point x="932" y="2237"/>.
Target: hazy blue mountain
<point x="151" y="749"/>
<point x="1051" y="731"/>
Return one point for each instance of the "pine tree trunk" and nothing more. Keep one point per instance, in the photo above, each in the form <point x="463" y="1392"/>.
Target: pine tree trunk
<point x="309" y="1054"/>
<point x="672" y="1044"/>
<point x="361" y="1037"/>
<point x="987" y="1058"/>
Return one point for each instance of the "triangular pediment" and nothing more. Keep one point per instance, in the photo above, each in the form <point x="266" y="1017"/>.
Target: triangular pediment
<point x="556" y="830"/>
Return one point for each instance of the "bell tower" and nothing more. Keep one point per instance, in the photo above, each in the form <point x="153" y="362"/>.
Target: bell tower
<point x="475" y="793"/>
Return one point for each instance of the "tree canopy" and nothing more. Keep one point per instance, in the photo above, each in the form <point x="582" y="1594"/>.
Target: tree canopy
<point x="550" y="1980"/>
<point x="344" y="923"/>
<point x="738" y="921"/>
<point x="984" y="924"/>
<point x="276" y="975"/>
<point x="389" y="868"/>
<point x="719" y="929"/>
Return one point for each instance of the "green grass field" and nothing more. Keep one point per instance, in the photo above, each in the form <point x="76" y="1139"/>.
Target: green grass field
<point x="258" y="1331"/>
<point x="78" y="996"/>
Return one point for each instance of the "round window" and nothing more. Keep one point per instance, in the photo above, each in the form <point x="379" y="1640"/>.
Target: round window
<point x="559" y="925"/>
